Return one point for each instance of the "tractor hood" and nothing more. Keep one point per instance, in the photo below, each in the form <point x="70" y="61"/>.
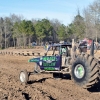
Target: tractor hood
<point x="34" y="60"/>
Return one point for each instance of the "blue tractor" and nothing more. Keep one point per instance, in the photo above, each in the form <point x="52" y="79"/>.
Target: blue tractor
<point x="61" y="59"/>
<point x="56" y="60"/>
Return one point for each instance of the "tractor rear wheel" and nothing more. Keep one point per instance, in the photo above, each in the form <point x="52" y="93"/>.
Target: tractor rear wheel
<point x="85" y="71"/>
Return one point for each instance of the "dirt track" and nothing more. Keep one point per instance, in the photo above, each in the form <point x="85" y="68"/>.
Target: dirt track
<point x="40" y="87"/>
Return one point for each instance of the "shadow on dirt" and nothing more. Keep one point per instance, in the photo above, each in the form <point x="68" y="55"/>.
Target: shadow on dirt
<point x="65" y="76"/>
<point x="37" y="81"/>
<point x="26" y="96"/>
<point x="95" y="88"/>
<point x="51" y="98"/>
<point x="61" y="76"/>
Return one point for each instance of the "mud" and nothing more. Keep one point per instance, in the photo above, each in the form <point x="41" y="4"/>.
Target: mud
<point x="39" y="87"/>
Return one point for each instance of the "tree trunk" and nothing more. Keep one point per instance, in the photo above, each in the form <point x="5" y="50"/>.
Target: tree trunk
<point x="29" y="42"/>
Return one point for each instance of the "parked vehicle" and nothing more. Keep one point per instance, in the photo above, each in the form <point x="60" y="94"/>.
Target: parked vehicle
<point x="34" y="43"/>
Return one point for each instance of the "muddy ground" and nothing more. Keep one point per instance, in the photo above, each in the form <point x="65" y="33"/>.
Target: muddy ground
<point x="39" y="87"/>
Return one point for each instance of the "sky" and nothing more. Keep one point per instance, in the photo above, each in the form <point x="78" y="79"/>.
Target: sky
<point x="63" y="10"/>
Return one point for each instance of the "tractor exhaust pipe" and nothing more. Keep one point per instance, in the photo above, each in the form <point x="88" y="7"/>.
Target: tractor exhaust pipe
<point x="73" y="50"/>
<point x="92" y="48"/>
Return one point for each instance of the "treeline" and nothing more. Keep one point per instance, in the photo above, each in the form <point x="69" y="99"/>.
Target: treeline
<point x="87" y="25"/>
<point x="15" y="31"/>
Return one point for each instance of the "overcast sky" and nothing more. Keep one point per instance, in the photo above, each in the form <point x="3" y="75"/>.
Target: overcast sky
<point x="63" y="10"/>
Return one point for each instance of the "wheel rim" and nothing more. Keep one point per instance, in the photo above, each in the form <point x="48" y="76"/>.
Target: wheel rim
<point x="79" y="71"/>
<point x="22" y="77"/>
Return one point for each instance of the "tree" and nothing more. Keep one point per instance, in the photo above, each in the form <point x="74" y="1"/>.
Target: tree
<point x="30" y="30"/>
<point x="16" y="33"/>
<point x="92" y="19"/>
<point x="7" y="31"/>
<point x="1" y="33"/>
<point x="79" y="26"/>
<point x="70" y="33"/>
<point x="62" y="32"/>
<point x="55" y="26"/>
<point x="43" y="29"/>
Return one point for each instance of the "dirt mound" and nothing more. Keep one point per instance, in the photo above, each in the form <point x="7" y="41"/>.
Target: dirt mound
<point x="41" y="86"/>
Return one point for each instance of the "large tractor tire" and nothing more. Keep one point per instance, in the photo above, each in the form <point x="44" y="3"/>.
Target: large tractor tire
<point x="85" y="71"/>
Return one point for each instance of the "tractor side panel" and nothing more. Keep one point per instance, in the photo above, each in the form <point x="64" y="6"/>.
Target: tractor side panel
<point x="50" y="63"/>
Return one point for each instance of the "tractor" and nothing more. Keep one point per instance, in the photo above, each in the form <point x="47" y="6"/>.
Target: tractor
<point x="60" y="59"/>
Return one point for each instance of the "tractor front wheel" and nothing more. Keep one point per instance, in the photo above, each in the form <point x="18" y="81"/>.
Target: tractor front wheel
<point x="24" y="77"/>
